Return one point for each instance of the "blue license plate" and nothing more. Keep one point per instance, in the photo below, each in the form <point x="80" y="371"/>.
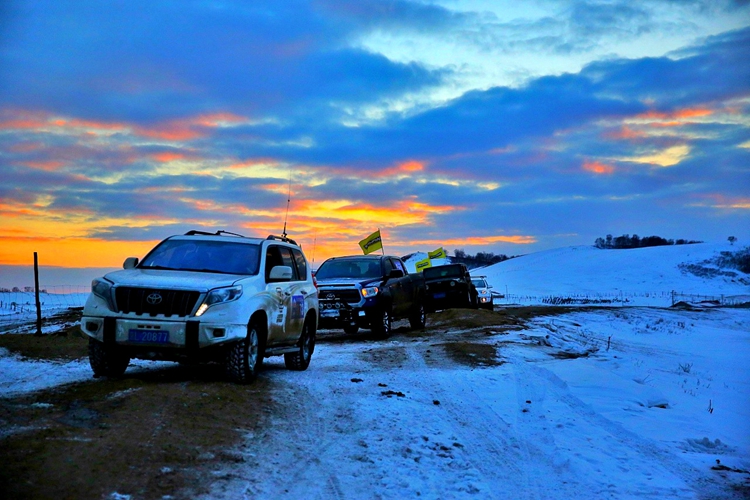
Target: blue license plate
<point x="148" y="336"/>
<point x="329" y="313"/>
<point x="440" y="295"/>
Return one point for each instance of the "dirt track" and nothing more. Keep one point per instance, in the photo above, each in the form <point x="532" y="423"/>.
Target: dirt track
<point x="165" y="431"/>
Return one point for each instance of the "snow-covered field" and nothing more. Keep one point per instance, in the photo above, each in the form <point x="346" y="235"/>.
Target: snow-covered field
<point x="19" y="308"/>
<point x="561" y="417"/>
<point x="611" y="402"/>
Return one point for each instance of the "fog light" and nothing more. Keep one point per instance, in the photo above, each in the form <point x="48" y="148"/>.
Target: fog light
<point x="219" y="332"/>
<point x="92" y="326"/>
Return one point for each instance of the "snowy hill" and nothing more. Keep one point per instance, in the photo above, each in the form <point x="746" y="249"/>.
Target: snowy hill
<point x="641" y="276"/>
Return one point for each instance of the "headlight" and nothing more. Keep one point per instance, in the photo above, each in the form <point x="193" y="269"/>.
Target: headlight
<point x="103" y="288"/>
<point x="219" y="296"/>
<point x="370" y="291"/>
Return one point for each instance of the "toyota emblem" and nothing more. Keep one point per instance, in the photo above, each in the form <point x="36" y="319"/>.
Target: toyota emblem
<point x="154" y="299"/>
<point x="331" y="296"/>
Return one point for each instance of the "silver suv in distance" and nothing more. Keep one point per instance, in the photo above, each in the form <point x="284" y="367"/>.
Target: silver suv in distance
<point x="484" y="294"/>
<point x="205" y="297"/>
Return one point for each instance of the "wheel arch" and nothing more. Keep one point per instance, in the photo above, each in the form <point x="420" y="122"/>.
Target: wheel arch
<point x="261" y="319"/>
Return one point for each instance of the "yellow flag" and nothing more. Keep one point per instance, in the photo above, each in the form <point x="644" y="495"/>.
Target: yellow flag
<point x="423" y="264"/>
<point x="437" y="254"/>
<point x="371" y="243"/>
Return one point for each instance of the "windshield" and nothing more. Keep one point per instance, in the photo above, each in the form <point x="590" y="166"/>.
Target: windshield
<point x="479" y="283"/>
<point x="443" y="272"/>
<point x="204" y="256"/>
<point x="350" y="268"/>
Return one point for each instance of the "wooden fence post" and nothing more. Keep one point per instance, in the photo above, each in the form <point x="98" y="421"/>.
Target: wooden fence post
<point x="36" y="293"/>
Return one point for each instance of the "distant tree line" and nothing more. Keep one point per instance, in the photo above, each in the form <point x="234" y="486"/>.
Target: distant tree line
<point x="479" y="260"/>
<point x="635" y="241"/>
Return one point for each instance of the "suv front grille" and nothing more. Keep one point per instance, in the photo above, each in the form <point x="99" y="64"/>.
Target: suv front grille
<point x="145" y="301"/>
<point x="346" y="295"/>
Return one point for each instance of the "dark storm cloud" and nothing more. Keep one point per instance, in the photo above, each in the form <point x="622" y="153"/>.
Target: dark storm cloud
<point x="144" y="61"/>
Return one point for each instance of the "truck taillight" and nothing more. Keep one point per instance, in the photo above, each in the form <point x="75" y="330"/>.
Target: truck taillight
<point x="315" y="282"/>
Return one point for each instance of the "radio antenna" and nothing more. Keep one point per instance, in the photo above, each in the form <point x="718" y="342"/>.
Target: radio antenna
<point x="288" y="200"/>
<point x="315" y="240"/>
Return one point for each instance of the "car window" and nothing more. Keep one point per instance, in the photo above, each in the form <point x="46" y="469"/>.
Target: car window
<point x="399" y="265"/>
<point x="288" y="260"/>
<point x="204" y="256"/>
<point x="299" y="258"/>
<point x="388" y="266"/>
<point x="273" y="259"/>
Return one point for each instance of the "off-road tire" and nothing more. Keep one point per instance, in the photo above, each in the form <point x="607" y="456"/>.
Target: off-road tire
<point x="245" y="357"/>
<point x="300" y="360"/>
<point x="418" y="320"/>
<point x="351" y="329"/>
<point x="381" y="323"/>
<point x="107" y="360"/>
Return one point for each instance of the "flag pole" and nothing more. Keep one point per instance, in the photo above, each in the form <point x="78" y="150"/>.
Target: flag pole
<point x="382" y="247"/>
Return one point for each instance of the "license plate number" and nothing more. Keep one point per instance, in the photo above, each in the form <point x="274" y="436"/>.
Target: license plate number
<point x="330" y="313"/>
<point x="148" y="336"/>
<point x="440" y="295"/>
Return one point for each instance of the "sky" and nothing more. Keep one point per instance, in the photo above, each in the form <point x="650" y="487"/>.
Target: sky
<point x="505" y="127"/>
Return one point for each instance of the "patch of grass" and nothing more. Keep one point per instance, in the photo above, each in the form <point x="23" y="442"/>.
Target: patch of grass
<point x="65" y="345"/>
<point x="472" y="354"/>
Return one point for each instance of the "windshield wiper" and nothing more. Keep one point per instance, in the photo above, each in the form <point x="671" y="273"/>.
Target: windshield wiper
<point x="161" y="268"/>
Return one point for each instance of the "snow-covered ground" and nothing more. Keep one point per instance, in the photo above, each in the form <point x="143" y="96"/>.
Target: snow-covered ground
<point x="641" y="276"/>
<point x="622" y="402"/>
<point x="563" y="416"/>
<point x="18" y="308"/>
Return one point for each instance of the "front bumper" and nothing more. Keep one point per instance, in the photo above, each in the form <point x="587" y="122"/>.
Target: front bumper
<point x="155" y="333"/>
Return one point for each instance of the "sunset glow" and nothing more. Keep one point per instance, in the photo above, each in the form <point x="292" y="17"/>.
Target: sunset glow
<point x="454" y="124"/>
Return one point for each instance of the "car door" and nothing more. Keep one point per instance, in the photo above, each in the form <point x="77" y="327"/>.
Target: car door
<point x="399" y="289"/>
<point x="295" y="292"/>
<point x="280" y="293"/>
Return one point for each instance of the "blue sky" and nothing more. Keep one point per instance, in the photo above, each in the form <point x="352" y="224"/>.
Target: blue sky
<point x="479" y="125"/>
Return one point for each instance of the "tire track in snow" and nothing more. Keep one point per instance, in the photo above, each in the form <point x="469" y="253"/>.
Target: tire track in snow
<point x="637" y="458"/>
<point x="512" y="464"/>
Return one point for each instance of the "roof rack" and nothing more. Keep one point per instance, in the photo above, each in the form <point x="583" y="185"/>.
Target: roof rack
<point x="281" y="238"/>
<point x="206" y="233"/>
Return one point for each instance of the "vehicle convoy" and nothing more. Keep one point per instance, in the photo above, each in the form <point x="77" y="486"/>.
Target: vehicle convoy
<point x="484" y="294"/>
<point x="369" y="291"/>
<point x="449" y="286"/>
<point x="205" y="297"/>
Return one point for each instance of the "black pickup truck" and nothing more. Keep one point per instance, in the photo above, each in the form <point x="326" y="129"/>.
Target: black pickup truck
<point x="369" y="291"/>
<point x="449" y="286"/>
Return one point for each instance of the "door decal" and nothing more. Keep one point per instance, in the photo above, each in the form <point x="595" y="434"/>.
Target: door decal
<point x="298" y="306"/>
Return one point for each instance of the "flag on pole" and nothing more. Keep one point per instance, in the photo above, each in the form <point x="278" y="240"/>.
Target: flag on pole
<point x="423" y="264"/>
<point x="437" y="254"/>
<point x="371" y="243"/>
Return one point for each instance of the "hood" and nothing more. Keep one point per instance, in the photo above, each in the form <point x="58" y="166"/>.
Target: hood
<point x="350" y="281"/>
<point x="180" y="280"/>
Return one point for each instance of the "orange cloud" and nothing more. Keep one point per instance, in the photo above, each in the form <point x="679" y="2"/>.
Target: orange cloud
<point x="626" y="133"/>
<point x="405" y="168"/>
<point x="167" y="156"/>
<point x="47" y="166"/>
<point x="721" y="201"/>
<point x="597" y="167"/>
<point x="479" y="240"/>
<point x="676" y="115"/>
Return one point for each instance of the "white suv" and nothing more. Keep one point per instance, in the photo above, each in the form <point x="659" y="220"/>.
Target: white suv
<point x="484" y="295"/>
<point x="205" y="297"/>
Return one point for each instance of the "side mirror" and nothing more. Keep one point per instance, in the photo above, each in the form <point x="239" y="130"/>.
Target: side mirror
<point x="396" y="273"/>
<point x="130" y="263"/>
<point x="489" y="286"/>
<point x="280" y="273"/>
